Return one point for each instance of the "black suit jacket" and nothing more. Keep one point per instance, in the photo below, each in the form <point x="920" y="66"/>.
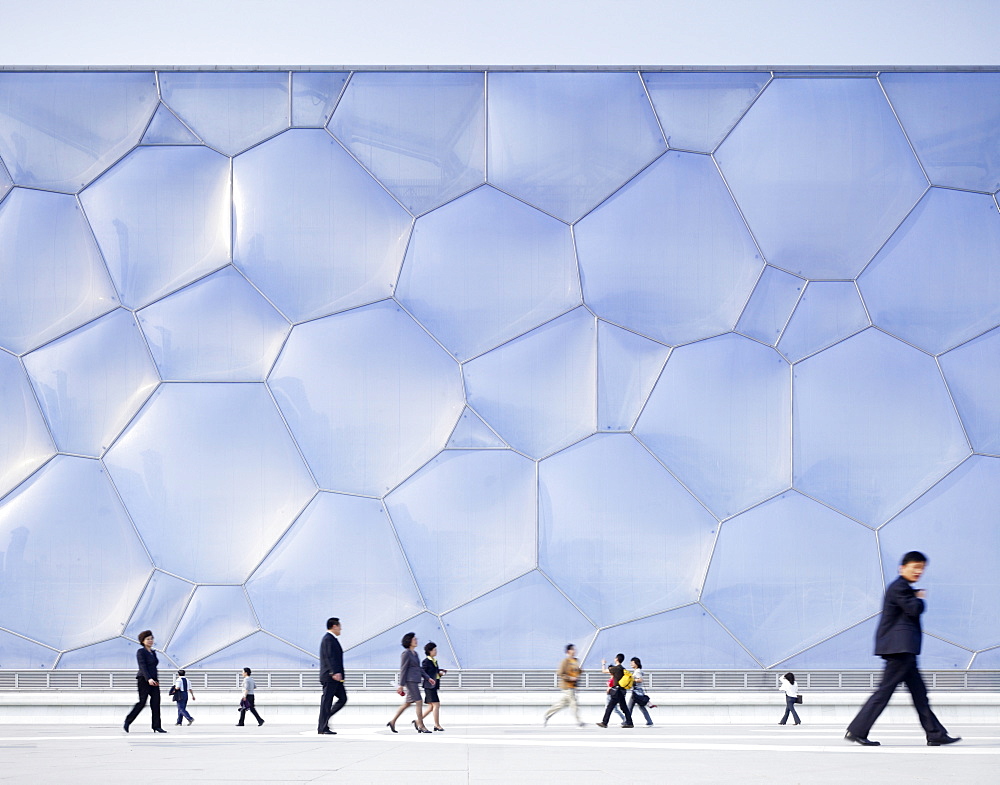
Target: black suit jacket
<point x="899" y="629"/>
<point x="148" y="663"/>
<point x="331" y="656"/>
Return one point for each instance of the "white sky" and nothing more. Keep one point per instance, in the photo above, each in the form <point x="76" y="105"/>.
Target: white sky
<point x="499" y="32"/>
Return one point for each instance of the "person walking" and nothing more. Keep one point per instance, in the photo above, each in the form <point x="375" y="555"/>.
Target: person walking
<point x="182" y="691"/>
<point x="247" y="703"/>
<point x="147" y="682"/>
<point x="897" y="641"/>
<point x="637" y="696"/>
<point x="331" y="676"/>
<point x="569" y="675"/>
<point x="434" y="674"/>
<point x="411" y="676"/>
<point x="787" y="686"/>
<point x="617" y="695"/>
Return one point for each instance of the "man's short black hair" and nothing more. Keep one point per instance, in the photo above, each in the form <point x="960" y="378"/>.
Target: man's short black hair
<point x="331" y="621"/>
<point x="619" y="658"/>
<point x="247" y="671"/>
<point x="912" y="556"/>
<point x="569" y="646"/>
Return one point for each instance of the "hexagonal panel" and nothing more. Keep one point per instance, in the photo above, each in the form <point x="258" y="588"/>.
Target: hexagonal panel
<point x="160" y="608"/>
<point x="973" y="374"/>
<point x="64" y="529"/>
<point x="217" y="329"/>
<point x="25" y="443"/>
<point x="215" y="617"/>
<point x="162" y="219"/>
<point x="565" y="141"/>
<point x="939" y="654"/>
<point x="17" y="652"/>
<point x="230" y="111"/>
<point x="165" y="128"/>
<point x="299" y="586"/>
<point x="697" y="110"/>
<point x="313" y="230"/>
<point x="848" y="650"/>
<point x="771" y="305"/>
<point x="517" y="626"/>
<point x="6" y="183"/>
<point x="383" y="651"/>
<point x="116" y="654"/>
<point x="91" y="382"/>
<point x="539" y="391"/>
<point x="951" y="120"/>
<point x="987" y="660"/>
<point x="60" y="130"/>
<point x="369" y="396"/>
<point x="487" y="268"/>
<point x="720" y="419"/>
<point x="466" y="521"/>
<point x="314" y="96"/>
<point x="602" y="514"/>
<point x="822" y="172"/>
<point x="669" y="255"/>
<point x="828" y="311"/>
<point x="874" y="426"/>
<point x="687" y="637"/>
<point x="259" y="651"/>
<point x="950" y="243"/>
<point x="954" y="523"/>
<point x="627" y="368"/>
<point x="211" y="478"/>
<point x="777" y="578"/>
<point x="422" y="135"/>
<point x="53" y="276"/>
<point x="471" y="433"/>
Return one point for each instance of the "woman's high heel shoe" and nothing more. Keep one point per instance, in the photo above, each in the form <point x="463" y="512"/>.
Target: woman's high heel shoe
<point x="437" y="728"/>
<point x="391" y="727"/>
<point x="422" y="730"/>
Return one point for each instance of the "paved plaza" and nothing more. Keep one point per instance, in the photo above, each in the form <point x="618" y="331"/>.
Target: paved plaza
<point x="561" y="753"/>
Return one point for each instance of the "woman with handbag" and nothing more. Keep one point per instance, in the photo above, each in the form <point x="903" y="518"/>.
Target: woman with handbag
<point x="434" y="673"/>
<point x="411" y="676"/>
<point x="787" y="686"/>
<point x="638" y="696"/>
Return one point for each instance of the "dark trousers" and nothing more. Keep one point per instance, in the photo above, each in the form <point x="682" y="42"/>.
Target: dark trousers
<point x="617" y="699"/>
<point x="790" y="709"/>
<point x="182" y="712"/>
<point x="327" y="708"/>
<point x="146" y="692"/>
<point x="251" y="709"/>
<point x="899" y="668"/>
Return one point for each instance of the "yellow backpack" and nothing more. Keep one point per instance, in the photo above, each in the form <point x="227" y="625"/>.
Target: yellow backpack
<point x="626" y="682"/>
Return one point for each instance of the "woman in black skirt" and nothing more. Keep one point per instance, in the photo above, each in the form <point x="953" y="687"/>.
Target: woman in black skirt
<point x="434" y="674"/>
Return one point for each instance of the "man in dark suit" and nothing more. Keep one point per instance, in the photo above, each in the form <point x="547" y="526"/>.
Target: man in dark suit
<point x="331" y="676"/>
<point x="897" y="641"/>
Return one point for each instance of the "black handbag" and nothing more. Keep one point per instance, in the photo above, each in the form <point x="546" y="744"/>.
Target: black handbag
<point x="798" y="699"/>
<point x="640" y="698"/>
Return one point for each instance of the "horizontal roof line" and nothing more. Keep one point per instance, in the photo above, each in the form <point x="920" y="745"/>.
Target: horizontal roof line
<point x="793" y="69"/>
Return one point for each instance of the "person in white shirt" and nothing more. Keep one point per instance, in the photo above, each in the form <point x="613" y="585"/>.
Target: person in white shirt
<point x="247" y="704"/>
<point x="638" y="695"/>
<point x="787" y="686"/>
<point x="182" y="691"/>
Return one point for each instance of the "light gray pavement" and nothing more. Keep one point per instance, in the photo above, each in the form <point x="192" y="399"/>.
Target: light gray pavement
<point x="481" y="753"/>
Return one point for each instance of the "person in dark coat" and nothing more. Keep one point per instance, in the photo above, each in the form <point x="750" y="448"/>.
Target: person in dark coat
<point x="897" y="641"/>
<point x="331" y="676"/>
<point x="411" y="677"/>
<point x="147" y="681"/>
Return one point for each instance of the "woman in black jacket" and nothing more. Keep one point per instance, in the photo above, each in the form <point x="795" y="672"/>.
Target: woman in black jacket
<point x="147" y="681"/>
<point x="434" y="674"/>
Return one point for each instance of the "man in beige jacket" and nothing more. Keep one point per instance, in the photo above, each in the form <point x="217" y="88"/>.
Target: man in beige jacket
<point x="569" y="673"/>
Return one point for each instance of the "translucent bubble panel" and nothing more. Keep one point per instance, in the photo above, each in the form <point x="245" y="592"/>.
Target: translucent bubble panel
<point x="669" y="255"/>
<point x="92" y="381"/>
<point x="728" y="443"/>
<point x="369" y="396"/>
<point x="987" y="660"/>
<point x="684" y="638"/>
<point x="5" y="181"/>
<point x="299" y="586"/>
<point x="523" y="624"/>
<point x="217" y="329"/>
<point x="53" y="277"/>
<point x="18" y="652"/>
<point x="215" y="617"/>
<point x="973" y="374"/>
<point x="950" y="243"/>
<point x="66" y="530"/>
<point x="60" y="130"/>
<point x="25" y="443"/>
<point x="161" y="217"/>
<point x="230" y="111"/>
<point x="383" y="651"/>
<point x="211" y="478"/>
<point x="697" y="110"/>
<point x="608" y="512"/>
<point x="773" y="300"/>
<point x="952" y="121"/>
<point x="487" y="268"/>
<point x="564" y="141"/>
<point x="822" y="172"/>
<point x="259" y="650"/>
<point x="941" y="655"/>
<point x="472" y="433"/>
<point x="160" y="607"/>
<point x="466" y="521"/>
<point x="874" y="426"/>
<point x="778" y="582"/>
<point x="627" y="368"/>
<point x="314" y="95"/>
<point x="165" y="128"/>
<point x="849" y="649"/>
<point x="423" y="135"/>
<point x="828" y="311"/>
<point x="313" y="230"/>
<point x="116" y="654"/>
<point x="540" y="391"/>
<point x="962" y="582"/>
